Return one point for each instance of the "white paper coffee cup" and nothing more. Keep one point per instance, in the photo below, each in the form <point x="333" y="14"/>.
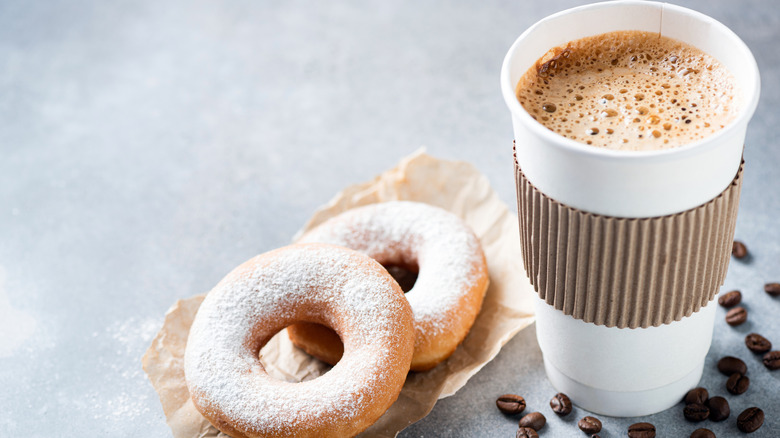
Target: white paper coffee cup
<point x="610" y="370"/>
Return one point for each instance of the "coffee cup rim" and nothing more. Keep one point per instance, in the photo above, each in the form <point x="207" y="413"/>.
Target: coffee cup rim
<point x="748" y="107"/>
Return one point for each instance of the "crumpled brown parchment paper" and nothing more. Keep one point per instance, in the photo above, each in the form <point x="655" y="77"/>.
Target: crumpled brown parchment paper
<point x="508" y="306"/>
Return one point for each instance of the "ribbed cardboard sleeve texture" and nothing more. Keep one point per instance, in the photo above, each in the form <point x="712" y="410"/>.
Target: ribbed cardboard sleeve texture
<point x="626" y="272"/>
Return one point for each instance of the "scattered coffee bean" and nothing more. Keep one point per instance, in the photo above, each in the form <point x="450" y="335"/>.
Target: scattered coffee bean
<point x="596" y="436"/>
<point x="696" y="412"/>
<point x="510" y="404"/>
<point x="750" y="420"/>
<point x="641" y="430"/>
<point x="729" y="365"/>
<point x="730" y="299"/>
<point x="561" y="404"/>
<point x="757" y="343"/>
<point x="736" y="316"/>
<point x="738" y="383"/>
<point x="697" y="395"/>
<point x="772" y="289"/>
<point x="739" y="250"/>
<point x="702" y="433"/>
<point x="719" y="408"/>
<point x="589" y="425"/>
<point x="772" y="360"/>
<point x="526" y="432"/>
<point x="534" y="420"/>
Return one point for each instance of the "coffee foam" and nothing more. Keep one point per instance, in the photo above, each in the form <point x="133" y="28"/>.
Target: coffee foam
<point x="629" y="90"/>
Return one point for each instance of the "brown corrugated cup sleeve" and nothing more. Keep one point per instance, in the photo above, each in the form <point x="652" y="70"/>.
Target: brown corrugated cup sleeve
<point x="625" y="272"/>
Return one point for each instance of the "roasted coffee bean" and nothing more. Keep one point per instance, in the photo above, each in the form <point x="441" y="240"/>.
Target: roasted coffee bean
<point x="702" y="433"/>
<point x="510" y="404"/>
<point x="719" y="408"/>
<point x="696" y="395"/>
<point x="750" y="420"/>
<point x="738" y="383"/>
<point x="589" y="425"/>
<point x="772" y="289"/>
<point x="739" y="250"/>
<point x="534" y="420"/>
<point x="596" y="436"/>
<point x="526" y="432"/>
<point x="561" y="404"/>
<point x="736" y="316"/>
<point x="696" y="412"/>
<point x="641" y="430"/>
<point x="730" y="299"/>
<point x="729" y="365"/>
<point x="772" y="360"/>
<point x="757" y="343"/>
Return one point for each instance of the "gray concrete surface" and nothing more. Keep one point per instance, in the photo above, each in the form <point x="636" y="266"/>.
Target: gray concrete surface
<point x="146" y="148"/>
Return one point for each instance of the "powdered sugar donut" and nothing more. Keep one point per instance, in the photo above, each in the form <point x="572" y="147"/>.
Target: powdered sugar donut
<point x="325" y="284"/>
<point x="452" y="273"/>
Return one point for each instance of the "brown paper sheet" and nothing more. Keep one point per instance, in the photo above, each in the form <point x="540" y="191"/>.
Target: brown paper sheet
<point x="508" y="306"/>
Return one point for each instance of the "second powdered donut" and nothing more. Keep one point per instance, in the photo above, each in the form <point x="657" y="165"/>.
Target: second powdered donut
<point x="452" y="274"/>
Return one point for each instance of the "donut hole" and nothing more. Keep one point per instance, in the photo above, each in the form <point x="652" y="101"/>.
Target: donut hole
<point x="324" y="343"/>
<point x="328" y="347"/>
<point x="404" y="274"/>
<point x="323" y="333"/>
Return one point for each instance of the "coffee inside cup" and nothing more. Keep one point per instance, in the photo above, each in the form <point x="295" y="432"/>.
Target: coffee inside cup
<point x="629" y="90"/>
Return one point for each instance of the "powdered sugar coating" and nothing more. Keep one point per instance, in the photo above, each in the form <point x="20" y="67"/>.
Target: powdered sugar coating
<point x="333" y="286"/>
<point x="452" y="275"/>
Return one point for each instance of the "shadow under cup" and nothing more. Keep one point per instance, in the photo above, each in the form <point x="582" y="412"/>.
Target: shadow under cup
<point x="627" y="249"/>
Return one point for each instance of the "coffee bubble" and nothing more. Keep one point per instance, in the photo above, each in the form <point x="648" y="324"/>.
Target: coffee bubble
<point x="618" y="83"/>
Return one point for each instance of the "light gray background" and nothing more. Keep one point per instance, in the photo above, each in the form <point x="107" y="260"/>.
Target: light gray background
<point x="148" y="147"/>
